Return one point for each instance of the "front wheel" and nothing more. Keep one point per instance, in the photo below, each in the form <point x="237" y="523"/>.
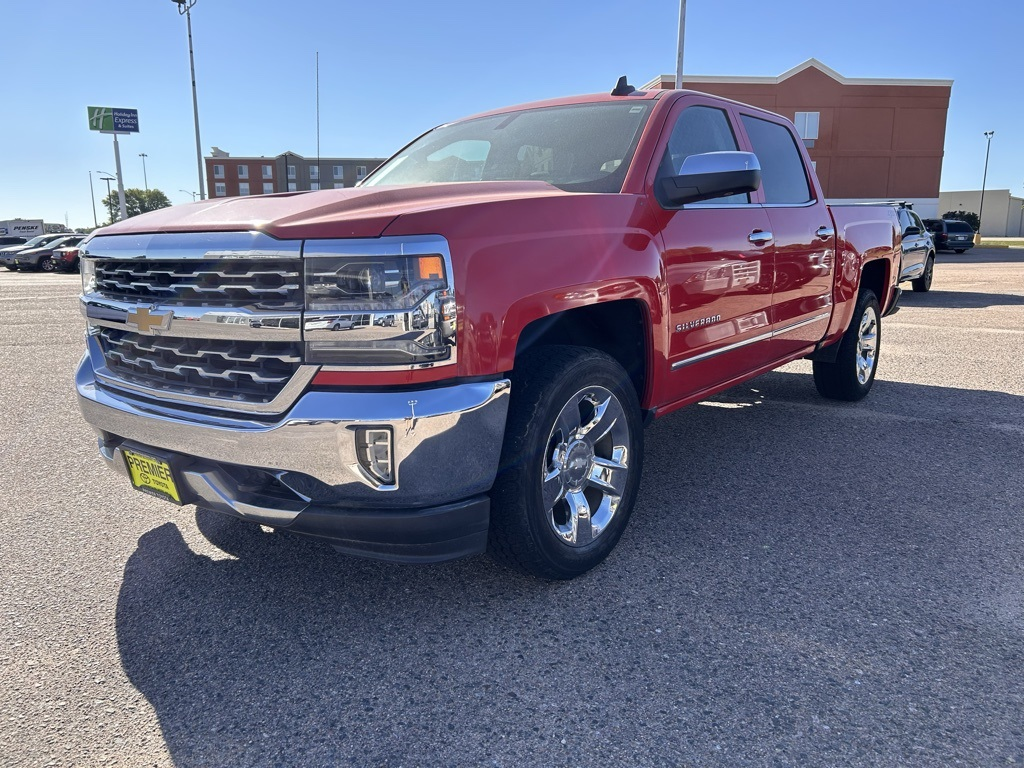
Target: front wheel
<point x="851" y="375"/>
<point x="923" y="284"/>
<point x="571" y="462"/>
<point x="45" y="264"/>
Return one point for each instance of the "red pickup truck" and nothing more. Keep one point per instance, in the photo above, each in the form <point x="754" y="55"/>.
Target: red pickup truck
<point x="461" y="353"/>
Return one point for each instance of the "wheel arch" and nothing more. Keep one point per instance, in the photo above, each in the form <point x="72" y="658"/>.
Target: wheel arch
<point x="620" y="329"/>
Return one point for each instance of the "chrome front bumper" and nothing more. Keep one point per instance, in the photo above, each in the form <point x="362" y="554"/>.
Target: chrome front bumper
<point x="446" y="444"/>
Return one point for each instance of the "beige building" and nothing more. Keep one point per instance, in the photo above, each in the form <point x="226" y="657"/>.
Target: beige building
<point x="1003" y="215"/>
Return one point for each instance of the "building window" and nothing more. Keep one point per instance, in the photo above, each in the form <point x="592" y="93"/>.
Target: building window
<point x="339" y="185"/>
<point x="243" y="171"/>
<point x="220" y="190"/>
<point x="339" y="171"/>
<point x="218" y="171"/>
<point x="314" y="185"/>
<point x="292" y="187"/>
<point x="268" y="188"/>
<point x="268" y="171"/>
<point x="807" y="125"/>
<point x="360" y="172"/>
<point x="314" y="171"/>
<point x="243" y="187"/>
<point x="291" y="171"/>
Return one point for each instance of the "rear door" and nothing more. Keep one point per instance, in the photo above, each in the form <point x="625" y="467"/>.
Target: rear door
<point x="718" y="261"/>
<point x="804" y="236"/>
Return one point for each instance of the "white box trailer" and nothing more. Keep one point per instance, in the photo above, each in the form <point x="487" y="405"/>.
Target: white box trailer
<point x="21" y="227"/>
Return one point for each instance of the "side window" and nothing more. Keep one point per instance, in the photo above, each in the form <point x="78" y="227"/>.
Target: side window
<point x="783" y="179"/>
<point x="699" y="130"/>
<point x="915" y="221"/>
<point x="904" y="217"/>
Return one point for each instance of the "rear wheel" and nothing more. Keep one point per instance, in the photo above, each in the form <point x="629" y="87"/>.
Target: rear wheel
<point x="924" y="283"/>
<point x="851" y="375"/>
<point x="570" y="465"/>
<point x="959" y="250"/>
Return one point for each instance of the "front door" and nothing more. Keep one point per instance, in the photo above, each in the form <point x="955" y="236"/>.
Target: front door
<point x="718" y="258"/>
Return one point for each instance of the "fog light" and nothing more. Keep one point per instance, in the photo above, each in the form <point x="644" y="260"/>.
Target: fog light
<point x="376" y="455"/>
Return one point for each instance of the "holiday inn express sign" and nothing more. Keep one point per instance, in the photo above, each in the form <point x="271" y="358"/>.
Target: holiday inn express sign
<point x="113" y="120"/>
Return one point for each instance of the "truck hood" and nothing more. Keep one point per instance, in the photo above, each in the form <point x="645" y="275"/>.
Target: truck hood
<point x="359" y="212"/>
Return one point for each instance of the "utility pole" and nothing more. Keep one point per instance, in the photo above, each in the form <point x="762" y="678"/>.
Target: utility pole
<point x="110" y="203"/>
<point x="679" y="52"/>
<point x="145" y="180"/>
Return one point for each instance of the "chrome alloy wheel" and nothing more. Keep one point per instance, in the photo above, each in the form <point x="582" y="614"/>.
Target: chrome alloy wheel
<point x="867" y="344"/>
<point x="586" y="466"/>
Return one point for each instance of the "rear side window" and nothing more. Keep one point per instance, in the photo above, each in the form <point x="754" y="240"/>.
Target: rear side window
<point x="783" y="179"/>
<point x="958" y="226"/>
<point x="933" y="225"/>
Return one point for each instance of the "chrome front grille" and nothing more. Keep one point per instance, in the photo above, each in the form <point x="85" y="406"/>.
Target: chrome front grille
<point x="228" y="282"/>
<point x="247" y="371"/>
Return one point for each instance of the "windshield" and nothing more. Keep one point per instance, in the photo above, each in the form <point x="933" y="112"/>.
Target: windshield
<point x="38" y="240"/>
<point x="578" y="148"/>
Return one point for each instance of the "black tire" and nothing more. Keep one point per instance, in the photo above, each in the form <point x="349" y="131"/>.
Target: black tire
<point x="959" y="250"/>
<point x="923" y="284"/>
<point x="45" y="264"/>
<point x="850" y="377"/>
<point x="545" y="451"/>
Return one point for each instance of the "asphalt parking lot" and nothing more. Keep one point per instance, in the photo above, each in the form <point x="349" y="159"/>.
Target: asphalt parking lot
<point x="804" y="583"/>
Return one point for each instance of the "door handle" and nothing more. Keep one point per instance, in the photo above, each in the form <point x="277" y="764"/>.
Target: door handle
<point x="760" y="237"/>
<point x="825" y="233"/>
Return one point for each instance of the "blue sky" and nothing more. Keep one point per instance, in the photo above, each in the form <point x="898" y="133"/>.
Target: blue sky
<point x="393" y="68"/>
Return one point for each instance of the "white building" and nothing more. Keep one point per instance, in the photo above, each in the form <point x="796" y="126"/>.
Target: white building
<point x="1003" y="215"/>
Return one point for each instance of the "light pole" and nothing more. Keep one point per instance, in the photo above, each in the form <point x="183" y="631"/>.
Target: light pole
<point x="984" y="178"/>
<point x="184" y="8"/>
<point x="92" y="194"/>
<point x="679" y="50"/>
<point x="110" y="203"/>
<point x="189" y="193"/>
<point x="145" y="180"/>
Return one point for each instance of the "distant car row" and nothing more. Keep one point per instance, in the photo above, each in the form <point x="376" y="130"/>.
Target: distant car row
<point x="45" y="253"/>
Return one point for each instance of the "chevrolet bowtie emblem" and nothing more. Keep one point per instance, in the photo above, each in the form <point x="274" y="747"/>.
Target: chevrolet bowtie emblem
<point x="148" y="321"/>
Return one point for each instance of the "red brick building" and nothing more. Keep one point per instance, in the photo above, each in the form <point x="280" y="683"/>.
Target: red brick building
<point x="870" y="139"/>
<point x="228" y="176"/>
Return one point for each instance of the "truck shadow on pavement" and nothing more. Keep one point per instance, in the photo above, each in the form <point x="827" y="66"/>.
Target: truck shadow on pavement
<point x="828" y="583"/>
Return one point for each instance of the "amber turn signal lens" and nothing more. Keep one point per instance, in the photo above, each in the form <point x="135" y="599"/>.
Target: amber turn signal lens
<point x="431" y="268"/>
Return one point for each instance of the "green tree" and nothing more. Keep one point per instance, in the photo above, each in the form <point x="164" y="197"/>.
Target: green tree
<point x="136" y="201"/>
<point x="965" y="216"/>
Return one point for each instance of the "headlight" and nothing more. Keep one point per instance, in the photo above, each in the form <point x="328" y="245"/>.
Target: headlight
<point x="88" y="275"/>
<point x="392" y="307"/>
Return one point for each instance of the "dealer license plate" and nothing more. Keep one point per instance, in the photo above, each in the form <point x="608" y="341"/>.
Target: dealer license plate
<point x="151" y="475"/>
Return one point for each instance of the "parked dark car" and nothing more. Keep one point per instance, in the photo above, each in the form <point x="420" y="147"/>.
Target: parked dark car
<point x="41" y="259"/>
<point x="950" y="234"/>
<point x="9" y="240"/>
<point x="8" y="253"/>
<point x="918" y="260"/>
<point x="65" y="259"/>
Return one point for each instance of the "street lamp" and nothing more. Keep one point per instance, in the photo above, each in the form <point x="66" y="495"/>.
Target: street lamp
<point x="184" y="8"/>
<point x="92" y="194"/>
<point x="984" y="178"/>
<point x="189" y="193"/>
<point x="109" y="177"/>
<point x="145" y="180"/>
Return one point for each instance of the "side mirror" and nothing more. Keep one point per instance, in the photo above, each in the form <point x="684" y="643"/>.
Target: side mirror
<point x="912" y="231"/>
<point x="711" y="175"/>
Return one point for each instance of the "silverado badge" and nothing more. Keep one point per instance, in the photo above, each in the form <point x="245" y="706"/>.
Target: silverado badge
<point x="148" y="321"/>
